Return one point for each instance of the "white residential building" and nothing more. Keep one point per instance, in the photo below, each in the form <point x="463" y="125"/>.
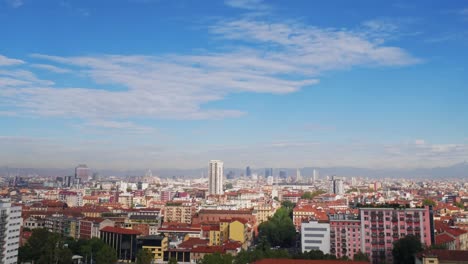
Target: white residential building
<point x="216" y="177"/>
<point x="10" y="223"/>
<point x="315" y="236"/>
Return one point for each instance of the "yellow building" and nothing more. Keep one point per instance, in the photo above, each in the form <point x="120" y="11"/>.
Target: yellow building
<point x="157" y="245"/>
<point x="214" y="236"/>
<point x="230" y="230"/>
<point x="237" y="231"/>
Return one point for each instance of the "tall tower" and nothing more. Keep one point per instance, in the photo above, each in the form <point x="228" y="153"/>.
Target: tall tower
<point x="216" y="177"/>
<point x="83" y="173"/>
<point x="10" y="222"/>
<point x="315" y="175"/>
<point x="248" y="172"/>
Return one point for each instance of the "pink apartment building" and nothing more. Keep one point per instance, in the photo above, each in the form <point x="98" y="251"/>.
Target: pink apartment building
<point x="380" y="227"/>
<point x="345" y="235"/>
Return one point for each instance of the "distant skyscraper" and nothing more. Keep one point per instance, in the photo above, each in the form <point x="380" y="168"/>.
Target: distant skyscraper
<point x="298" y="175"/>
<point x="10" y="223"/>
<point x="283" y="174"/>
<point x="268" y="172"/>
<point x="353" y="181"/>
<point x="336" y="185"/>
<point x="67" y="181"/>
<point x="315" y="175"/>
<point x="248" y="172"/>
<point x="83" y="173"/>
<point x="216" y="177"/>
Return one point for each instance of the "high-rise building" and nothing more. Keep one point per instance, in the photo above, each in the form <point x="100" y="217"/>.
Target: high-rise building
<point x="216" y="177"/>
<point x="248" y="172"/>
<point x="298" y="175"/>
<point x="268" y="172"/>
<point x="336" y="185"/>
<point x="10" y="223"/>
<point x="67" y="181"/>
<point x="283" y="174"/>
<point x="315" y="175"/>
<point x="83" y="173"/>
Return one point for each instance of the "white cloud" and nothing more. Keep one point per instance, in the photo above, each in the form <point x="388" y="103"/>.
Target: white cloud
<point x="419" y="142"/>
<point x="247" y="4"/>
<point x="275" y="58"/>
<point x="51" y="68"/>
<point x="122" y="126"/>
<point x="8" y="113"/>
<point x="14" y="3"/>
<point x="5" y="61"/>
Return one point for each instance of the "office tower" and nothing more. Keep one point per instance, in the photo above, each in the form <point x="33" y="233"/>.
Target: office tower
<point x="248" y="172"/>
<point x="10" y="223"/>
<point x="268" y="172"/>
<point x="315" y="175"/>
<point x="298" y="175"/>
<point x="336" y="185"/>
<point x="83" y="173"/>
<point x="353" y="181"/>
<point x="283" y="174"/>
<point x="216" y="177"/>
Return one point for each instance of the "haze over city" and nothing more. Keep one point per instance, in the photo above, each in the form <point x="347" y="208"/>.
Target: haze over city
<point x="172" y="84"/>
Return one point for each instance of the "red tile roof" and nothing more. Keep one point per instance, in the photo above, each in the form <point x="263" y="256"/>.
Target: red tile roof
<point x="119" y="230"/>
<point x="448" y="255"/>
<point x="306" y="261"/>
<point x="443" y="239"/>
<point x="191" y="242"/>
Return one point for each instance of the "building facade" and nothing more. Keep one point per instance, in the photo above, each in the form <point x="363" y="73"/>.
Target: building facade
<point x="315" y="235"/>
<point x="345" y="235"/>
<point x="381" y="227"/>
<point x="10" y="223"/>
<point x="216" y="177"/>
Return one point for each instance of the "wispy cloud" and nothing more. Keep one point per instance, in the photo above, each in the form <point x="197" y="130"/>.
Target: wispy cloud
<point x="276" y="58"/>
<point x="257" y="5"/>
<point x="51" y="68"/>
<point x="5" y="61"/>
<point x="124" y="126"/>
<point x="14" y="3"/>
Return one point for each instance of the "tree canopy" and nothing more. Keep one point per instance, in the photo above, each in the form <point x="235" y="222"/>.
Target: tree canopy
<point x="279" y="230"/>
<point x="405" y="248"/>
<point x="144" y="256"/>
<point x="46" y="247"/>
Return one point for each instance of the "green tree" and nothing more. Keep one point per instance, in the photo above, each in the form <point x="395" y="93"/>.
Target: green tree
<point x="307" y="195"/>
<point x="228" y="186"/>
<point x="429" y="202"/>
<point x="359" y="256"/>
<point x="405" y="248"/>
<point x="217" y="258"/>
<point x="144" y="256"/>
<point x="279" y="230"/>
<point x="106" y="255"/>
<point x="172" y="261"/>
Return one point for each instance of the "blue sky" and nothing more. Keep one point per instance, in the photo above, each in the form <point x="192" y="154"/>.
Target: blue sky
<point x="158" y="84"/>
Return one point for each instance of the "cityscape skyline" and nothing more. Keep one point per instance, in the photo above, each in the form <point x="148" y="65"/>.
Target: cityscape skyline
<point x="375" y="85"/>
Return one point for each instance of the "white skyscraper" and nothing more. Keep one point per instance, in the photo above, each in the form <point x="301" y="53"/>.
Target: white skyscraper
<point x="315" y="175"/>
<point x="216" y="177"/>
<point x="10" y="223"/>
<point x="298" y="175"/>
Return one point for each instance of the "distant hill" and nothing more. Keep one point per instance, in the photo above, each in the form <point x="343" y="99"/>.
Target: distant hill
<point x="459" y="170"/>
